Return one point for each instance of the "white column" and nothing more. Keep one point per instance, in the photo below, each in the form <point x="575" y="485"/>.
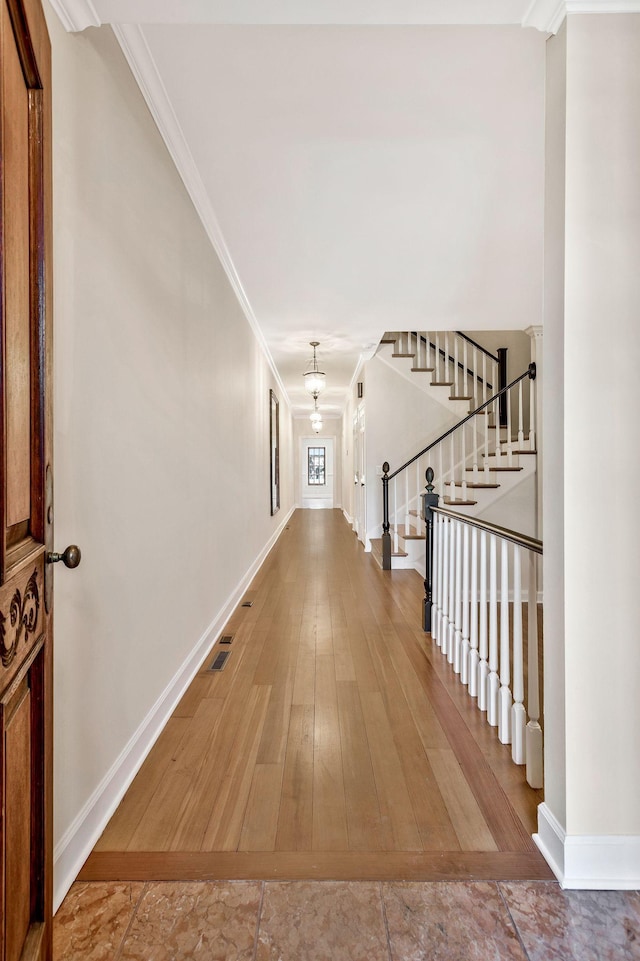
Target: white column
<point x="518" y="713"/>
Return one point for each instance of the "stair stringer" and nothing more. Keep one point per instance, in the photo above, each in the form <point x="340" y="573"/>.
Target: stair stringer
<point x="422" y="381"/>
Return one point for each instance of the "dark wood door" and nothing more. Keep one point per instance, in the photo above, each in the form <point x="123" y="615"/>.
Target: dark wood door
<point x="25" y="479"/>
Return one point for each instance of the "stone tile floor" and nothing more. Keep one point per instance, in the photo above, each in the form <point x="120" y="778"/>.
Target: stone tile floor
<point x="345" y="921"/>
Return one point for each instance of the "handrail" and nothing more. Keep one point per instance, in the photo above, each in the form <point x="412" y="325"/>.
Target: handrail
<point x="530" y="373"/>
<point x="479" y="346"/>
<point x="523" y="540"/>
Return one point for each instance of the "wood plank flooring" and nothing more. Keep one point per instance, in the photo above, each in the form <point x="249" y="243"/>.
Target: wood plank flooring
<point x="334" y="744"/>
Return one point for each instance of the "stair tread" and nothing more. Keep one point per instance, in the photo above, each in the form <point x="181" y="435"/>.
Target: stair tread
<point x="422" y="370"/>
<point x="442" y="383"/>
<point x="403" y="355"/>
<point x="376" y="547"/>
<point x="459" y="503"/>
<point x="465" y="397"/>
<point x="493" y="469"/>
<point x="408" y="534"/>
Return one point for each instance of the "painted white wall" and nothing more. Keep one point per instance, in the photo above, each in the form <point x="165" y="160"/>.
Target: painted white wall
<point x="401" y="419"/>
<point x="590" y="822"/>
<point x="516" y="509"/>
<point x="602" y="299"/>
<point x="443" y="126"/>
<point x="553" y="414"/>
<point x="317" y="496"/>
<point x="332" y="428"/>
<point x="161" y="431"/>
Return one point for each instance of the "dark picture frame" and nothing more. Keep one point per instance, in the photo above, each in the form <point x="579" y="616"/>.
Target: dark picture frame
<point x="274" y="452"/>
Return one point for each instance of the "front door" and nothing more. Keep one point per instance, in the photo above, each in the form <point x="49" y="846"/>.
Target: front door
<point x="26" y="483"/>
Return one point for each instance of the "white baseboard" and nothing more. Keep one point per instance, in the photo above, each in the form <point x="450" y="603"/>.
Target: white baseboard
<point x="596" y="862"/>
<point x="348" y="518"/>
<point x="77" y="842"/>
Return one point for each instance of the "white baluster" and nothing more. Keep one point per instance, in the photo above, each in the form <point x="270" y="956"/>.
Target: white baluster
<point x="473" y="616"/>
<point x="493" y="680"/>
<point x="532" y="415"/>
<point x="463" y="444"/>
<point x="417" y="522"/>
<point x="464" y="643"/>
<point x="485" y="395"/>
<point x="505" y="701"/>
<point x="407" y="517"/>
<point x="474" y="379"/>
<point x="395" y="514"/>
<point x="485" y="467"/>
<point x="465" y="383"/>
<point x="458" y="600"/>
<point x="441" y="483"/>
<point x="452" y="464"/>
<point x="518" y="713"/>
<point x="456" y="366"/>
<point x="444" y="620"/>
<point x="498" y="431"/>
<point x="427" y="350"/>
<point x="520" y="419"/>
<point x="533" y="750"/>
<point x="437" y="365"/>
<point x="483" y="665"/>
<point x="446" y="356"/>
<point x="452" y="594"/>
<point x="435" y="583"/>
<point x="475" y="475"/>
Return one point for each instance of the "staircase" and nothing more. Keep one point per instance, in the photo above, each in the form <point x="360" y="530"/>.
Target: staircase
<point x="490" y="450"/>
<point x="480" y="579"/>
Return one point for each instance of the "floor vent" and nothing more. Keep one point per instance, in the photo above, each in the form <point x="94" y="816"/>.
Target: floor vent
<point x="220" y="660"/>
<point x="247" y="603"/>
<point x="226" y="639"/>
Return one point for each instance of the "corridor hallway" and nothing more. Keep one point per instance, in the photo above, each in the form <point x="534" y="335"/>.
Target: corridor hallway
<point x="335" y="744"/>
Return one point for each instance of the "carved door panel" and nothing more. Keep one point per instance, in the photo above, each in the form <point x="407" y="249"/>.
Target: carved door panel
<point x="25" y="475"/>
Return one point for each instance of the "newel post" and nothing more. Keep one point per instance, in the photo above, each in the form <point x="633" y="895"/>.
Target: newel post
<point x="429" y="501"/>
<point x="503" y="400"/>
<point x="386" y="536"/>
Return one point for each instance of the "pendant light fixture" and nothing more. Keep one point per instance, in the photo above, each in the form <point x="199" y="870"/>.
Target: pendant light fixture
<point x="316" y="416"/>
<point x="314" y="379"/>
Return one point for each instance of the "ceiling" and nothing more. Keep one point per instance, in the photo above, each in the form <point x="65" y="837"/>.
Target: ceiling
<point x="359" y="165"/>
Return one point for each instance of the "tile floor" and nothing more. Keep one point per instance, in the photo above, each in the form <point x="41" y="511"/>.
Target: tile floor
<point x="345" y="921"/>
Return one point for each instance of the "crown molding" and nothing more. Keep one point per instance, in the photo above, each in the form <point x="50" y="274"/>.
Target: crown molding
<point x="548" y="15"/>
<point x="76" y="15"/>
<point x="139" y="57"/>
<point x="544" y="15"/>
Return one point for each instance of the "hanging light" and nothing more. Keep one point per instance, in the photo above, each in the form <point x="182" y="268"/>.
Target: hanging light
<point x="316" y="416"/>
<point x="314" y="379"/>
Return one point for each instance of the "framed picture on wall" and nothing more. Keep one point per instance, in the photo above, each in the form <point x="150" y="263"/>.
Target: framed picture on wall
<point x="274" y="447"/>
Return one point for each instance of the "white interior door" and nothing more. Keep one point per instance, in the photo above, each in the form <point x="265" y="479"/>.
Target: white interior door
<point x="316" y="465"/>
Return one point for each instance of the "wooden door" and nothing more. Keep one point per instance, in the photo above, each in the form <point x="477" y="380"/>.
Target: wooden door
<point x="25" y="479"/>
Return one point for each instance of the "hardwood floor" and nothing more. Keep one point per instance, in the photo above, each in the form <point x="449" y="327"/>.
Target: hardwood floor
<point x="334" y="743"/>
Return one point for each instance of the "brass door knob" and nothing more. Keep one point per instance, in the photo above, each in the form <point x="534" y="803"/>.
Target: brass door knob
<point x="71" y="557"/>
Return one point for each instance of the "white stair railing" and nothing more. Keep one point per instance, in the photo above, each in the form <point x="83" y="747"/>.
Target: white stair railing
<point x="476" y="620"/>
<point x="454" y="359"/>
<point x="469" y="455"/>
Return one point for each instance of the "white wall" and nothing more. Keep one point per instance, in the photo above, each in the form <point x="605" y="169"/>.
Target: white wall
<point x="553" y="418"/>
<point x="400" y="420"/>
<point x="602" y="307"/>
<point x="161" y="435"/>
<point x="332" y="427"/>
<point x="590" y="822"/>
